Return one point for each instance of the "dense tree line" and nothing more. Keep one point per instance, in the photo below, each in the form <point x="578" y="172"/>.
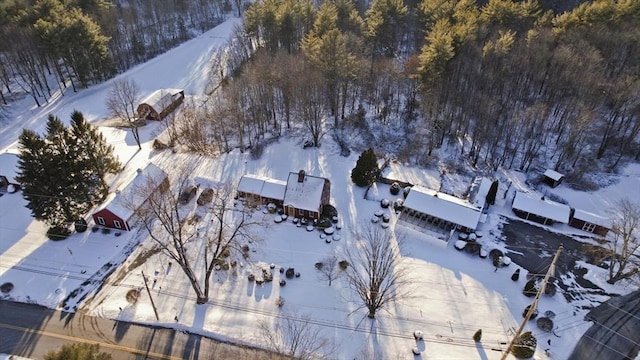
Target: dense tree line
<point x="46" y="45"/>
<point x="505" y="83"/>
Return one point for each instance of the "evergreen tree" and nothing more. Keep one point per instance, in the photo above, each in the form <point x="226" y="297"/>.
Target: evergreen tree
<point x="366" y="170"/>
<point x="78" y="352"/>
<point x="62" y="174"/>
<point x="491" y="194"/>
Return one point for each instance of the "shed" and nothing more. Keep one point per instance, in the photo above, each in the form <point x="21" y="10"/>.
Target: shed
<point x="552" y="178"/>
<point x="116" y="211"/>
<point x="539" y="209"/>
<point x="436" y="208"/>
<point x="160" y="104"/>
<point x="306" y="195"/>
<point x="589" y="222"/>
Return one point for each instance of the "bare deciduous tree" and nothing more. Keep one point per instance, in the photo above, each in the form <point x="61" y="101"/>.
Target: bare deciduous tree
<point x="375" y="273"/>
<point x="329" y="268"/>
<point x="626" y="241"/>
<point x="197" y="244"/>
<point x="296" y="336"/>
<point x="310" y="106"/>
<point x="122" y="101"/>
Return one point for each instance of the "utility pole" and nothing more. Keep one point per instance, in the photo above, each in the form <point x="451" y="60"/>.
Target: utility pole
<point x="150" y="297"/>
<point x="534" y="304"/>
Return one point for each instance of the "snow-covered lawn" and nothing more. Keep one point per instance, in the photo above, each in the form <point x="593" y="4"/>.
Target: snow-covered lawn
<point x="453" y="294"/>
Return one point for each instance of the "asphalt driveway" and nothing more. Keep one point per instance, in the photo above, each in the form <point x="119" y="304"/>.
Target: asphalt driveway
<point x="533" y="248"/>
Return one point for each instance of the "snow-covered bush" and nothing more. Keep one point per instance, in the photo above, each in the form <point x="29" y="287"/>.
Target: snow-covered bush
<point x="525" y="346"/>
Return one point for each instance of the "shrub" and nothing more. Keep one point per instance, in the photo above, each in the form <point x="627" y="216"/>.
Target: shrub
<point x="473" y="248"/>
<point x="283" y="282"/>
<point x="516" y="275"/>
<point x="534" y="314"/>
<point x="6" y="287"/>
<point x="290" y="273"/>
<point x="251" y="277"/>
<point x="545" y="324"/>
<point x="395" y="188"/>
<point x="329" y="211"/>
<point x="344" y="264"/>
<point x="245" y="248"/>
<point x="280" y="300"/>
<point x="78" y="351"/>
<point x="95" y="229"/>
<point x="495" y="254"/>
<point x="106" y="231"/>
<point x="319" y="265"/>
<point x="477" y="336"/>
<point x="525" y="346"/>
<point x="81" y="225"/>
<point x="530" y="288"/>
<point x="56" y="233"/>
<point x="550" y="289"/>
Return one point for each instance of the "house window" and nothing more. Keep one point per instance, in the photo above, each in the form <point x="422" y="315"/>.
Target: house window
<point x="101" y="220"/>
<point x="117" y="224"/>
<point x="588" y="227"/>
<point x="300" y="212"/>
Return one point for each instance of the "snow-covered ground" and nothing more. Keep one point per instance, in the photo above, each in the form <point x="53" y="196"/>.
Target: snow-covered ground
<point x="453" y="294"/>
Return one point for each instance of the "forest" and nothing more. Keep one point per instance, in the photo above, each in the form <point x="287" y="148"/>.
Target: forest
<point x="500" y="83"/>
<point x="504" y="84"/>
<point x="49" y="45"/>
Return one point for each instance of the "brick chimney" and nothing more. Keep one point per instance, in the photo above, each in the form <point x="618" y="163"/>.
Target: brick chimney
<point x="301" y="176"/>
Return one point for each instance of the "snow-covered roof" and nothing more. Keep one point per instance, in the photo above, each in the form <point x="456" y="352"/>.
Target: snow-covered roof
<point x="263" y="186"/>
<point x="274" y="189"/>
<point x="305" y="195"/>
<point x="479" y="190"/>
<point x="9" y="166"/>
<point x="552" y="174"/>
<point x="541" y="207"/>
<point x="443" y="206"/>
<point x="118" y="202"/>
<point x="251" y="184"/>
<point x="160" y="99"/>
<point x="592" y="218"/>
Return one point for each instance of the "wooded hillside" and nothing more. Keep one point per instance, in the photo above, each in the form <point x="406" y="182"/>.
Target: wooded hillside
<point x="506" y="84"/>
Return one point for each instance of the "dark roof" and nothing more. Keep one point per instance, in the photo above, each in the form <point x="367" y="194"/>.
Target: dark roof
<point x="613" y="335"/>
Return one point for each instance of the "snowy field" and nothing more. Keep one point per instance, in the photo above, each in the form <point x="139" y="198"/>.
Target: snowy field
<point x="453" y="294"/>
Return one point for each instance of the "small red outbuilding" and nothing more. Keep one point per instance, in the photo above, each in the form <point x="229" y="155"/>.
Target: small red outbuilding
<point x="116" y="211"/>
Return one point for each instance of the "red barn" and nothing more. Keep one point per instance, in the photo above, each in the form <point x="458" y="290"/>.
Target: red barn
<point x="160" y="104"/>
<point x="116" y="211"/>
<point x="589" y="222"/>
<point x="306" y="195"/>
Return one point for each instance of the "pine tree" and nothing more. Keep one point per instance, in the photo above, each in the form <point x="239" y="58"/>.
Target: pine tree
<point x="491" y="194"/>
<point x="62" y="174"/>
<point x="366" y="170"/>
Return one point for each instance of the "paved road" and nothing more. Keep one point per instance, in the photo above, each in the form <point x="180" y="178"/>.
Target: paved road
<point x="31" y="331"/>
